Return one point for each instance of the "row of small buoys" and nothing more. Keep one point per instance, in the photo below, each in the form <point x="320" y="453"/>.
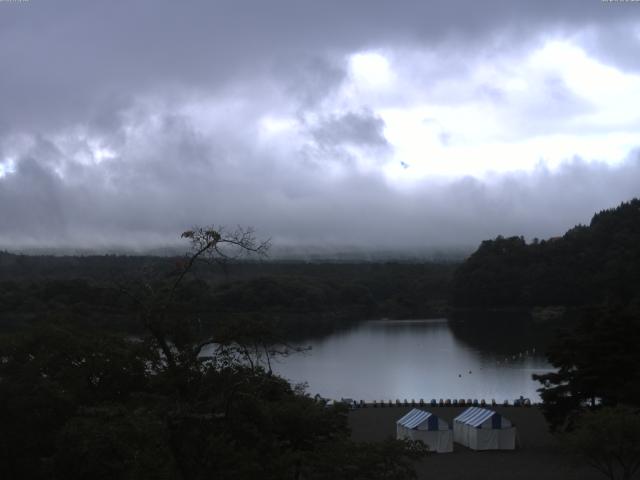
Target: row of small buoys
<point x="461" y="402"/>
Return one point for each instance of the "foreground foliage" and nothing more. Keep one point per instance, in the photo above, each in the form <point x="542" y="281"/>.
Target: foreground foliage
<point x="598" y="364"/>
<point x="80" y="403"/>
<point x="76" y="405"/>
<point x="593" y="398"/>
<point x="609" y="440"/>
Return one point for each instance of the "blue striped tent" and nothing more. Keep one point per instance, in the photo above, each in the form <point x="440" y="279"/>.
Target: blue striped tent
<point x="434" y="432"/>
<point x="483" y="429"/>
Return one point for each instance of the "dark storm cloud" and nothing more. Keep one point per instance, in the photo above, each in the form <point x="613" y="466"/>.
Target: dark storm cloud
<point x="309" y="79"/>
<point x="619" y="43"/>
<point x="70" y="61"/>
<point x="361" y="128"/>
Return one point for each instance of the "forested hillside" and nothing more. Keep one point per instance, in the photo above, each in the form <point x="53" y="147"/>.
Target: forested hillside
<point x="300" y="297"/>
<point x="587" y="265"/>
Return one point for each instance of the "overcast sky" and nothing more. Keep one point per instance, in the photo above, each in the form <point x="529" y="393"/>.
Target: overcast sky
<point x="385" y="124"/>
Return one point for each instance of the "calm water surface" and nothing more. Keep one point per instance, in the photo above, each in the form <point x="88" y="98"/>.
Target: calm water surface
<point x="382" y="360"/>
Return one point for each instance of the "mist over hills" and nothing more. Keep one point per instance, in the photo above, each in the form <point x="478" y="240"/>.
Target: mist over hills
<point x="277" y="253"/>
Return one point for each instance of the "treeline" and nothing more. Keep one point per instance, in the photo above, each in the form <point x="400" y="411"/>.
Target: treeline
<point x="588" y="265"/>
<point x="299" y="297"/>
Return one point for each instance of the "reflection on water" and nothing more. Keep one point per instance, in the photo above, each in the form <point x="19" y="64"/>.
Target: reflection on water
<point x="382" y="360"/>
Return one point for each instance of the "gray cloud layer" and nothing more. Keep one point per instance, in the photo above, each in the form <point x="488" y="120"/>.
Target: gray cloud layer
<point x="70" y="61"/>
<point x="132" y="76"/>
<point x="149" y="200"/>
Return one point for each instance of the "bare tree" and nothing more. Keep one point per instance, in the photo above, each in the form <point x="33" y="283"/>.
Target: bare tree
<point x="154" y="299"/>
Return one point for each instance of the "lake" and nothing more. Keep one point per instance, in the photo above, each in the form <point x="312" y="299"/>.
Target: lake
<point x="413" y="359"/>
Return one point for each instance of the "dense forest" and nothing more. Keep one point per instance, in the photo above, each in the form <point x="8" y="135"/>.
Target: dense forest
<point x="588" y="265"/>
<point x="307" y="298"/>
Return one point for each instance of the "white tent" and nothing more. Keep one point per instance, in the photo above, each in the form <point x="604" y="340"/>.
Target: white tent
<point x="482" y="429"/>
<point x="434" y="432"/>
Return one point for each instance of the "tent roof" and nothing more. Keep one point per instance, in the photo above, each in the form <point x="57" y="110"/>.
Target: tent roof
<point x="414" y="418"/>
<point x="475" y="416"/>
